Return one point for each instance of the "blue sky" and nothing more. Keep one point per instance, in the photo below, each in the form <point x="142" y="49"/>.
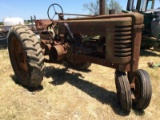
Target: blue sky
<point x="27" y="8"/>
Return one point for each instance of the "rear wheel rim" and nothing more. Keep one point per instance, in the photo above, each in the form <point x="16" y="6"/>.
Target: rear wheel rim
<point x="19" y="58"/>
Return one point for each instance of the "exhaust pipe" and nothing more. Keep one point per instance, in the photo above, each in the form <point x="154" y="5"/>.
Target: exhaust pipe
<point x="102" y="7"/>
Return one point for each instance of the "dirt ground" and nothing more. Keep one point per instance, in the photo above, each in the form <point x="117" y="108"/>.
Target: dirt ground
<point x="73" y="95"/>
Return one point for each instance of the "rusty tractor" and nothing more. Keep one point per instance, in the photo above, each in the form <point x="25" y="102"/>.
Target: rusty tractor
<point x="109" y="40"/>
<point x="151" y="31"/>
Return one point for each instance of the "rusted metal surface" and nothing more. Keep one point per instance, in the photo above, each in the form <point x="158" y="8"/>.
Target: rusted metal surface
<point x="137" y="18"/>
<point x="102" y="7"/>
<point x="55" y="49"/>
<point x="112" y="11"/>
<point x="122" y="34"/>
<point x="18" y="58"/>
<point x="58" y="52"/>
<point x="42" y="24"/>
<point x="88" y="26"/>
<point x="76" y="14"/>
<point x="122" y="39"/>
<point x="119" y="48"/>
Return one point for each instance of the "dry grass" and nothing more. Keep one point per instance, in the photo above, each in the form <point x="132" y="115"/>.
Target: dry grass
<point x="72" y="95"/>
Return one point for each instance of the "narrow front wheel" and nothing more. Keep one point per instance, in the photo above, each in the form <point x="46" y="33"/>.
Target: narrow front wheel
<point x="123" y="90"/>
<point x="142" y="90"/>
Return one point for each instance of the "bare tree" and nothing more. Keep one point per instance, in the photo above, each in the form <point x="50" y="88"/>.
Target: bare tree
<point x="115" y="5"/>
<point x="93" y="8"/>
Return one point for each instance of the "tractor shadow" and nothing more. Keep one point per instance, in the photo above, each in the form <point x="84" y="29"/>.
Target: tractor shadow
<point x="77" y="80"/>
<point x="31" y="89"/>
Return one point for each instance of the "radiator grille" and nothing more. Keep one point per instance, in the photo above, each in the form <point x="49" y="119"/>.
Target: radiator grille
<point x="123" y="41"/>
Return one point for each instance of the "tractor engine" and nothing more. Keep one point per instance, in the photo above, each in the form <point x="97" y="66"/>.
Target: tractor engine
<point x="53" y="47"/>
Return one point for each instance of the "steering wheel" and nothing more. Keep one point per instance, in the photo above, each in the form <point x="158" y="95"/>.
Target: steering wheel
<point x="55" y="12"/>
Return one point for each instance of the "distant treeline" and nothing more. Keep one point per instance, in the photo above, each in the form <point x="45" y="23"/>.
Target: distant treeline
<point x="27" y="21"/>
<point x="1" y="23"/>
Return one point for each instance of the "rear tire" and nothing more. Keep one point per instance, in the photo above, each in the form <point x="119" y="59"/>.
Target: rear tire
<point x="26" y="56"/>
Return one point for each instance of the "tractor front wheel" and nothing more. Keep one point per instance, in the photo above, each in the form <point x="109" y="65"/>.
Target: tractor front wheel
<point x="123" y="90"/>
<point x="142" y="90"/>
